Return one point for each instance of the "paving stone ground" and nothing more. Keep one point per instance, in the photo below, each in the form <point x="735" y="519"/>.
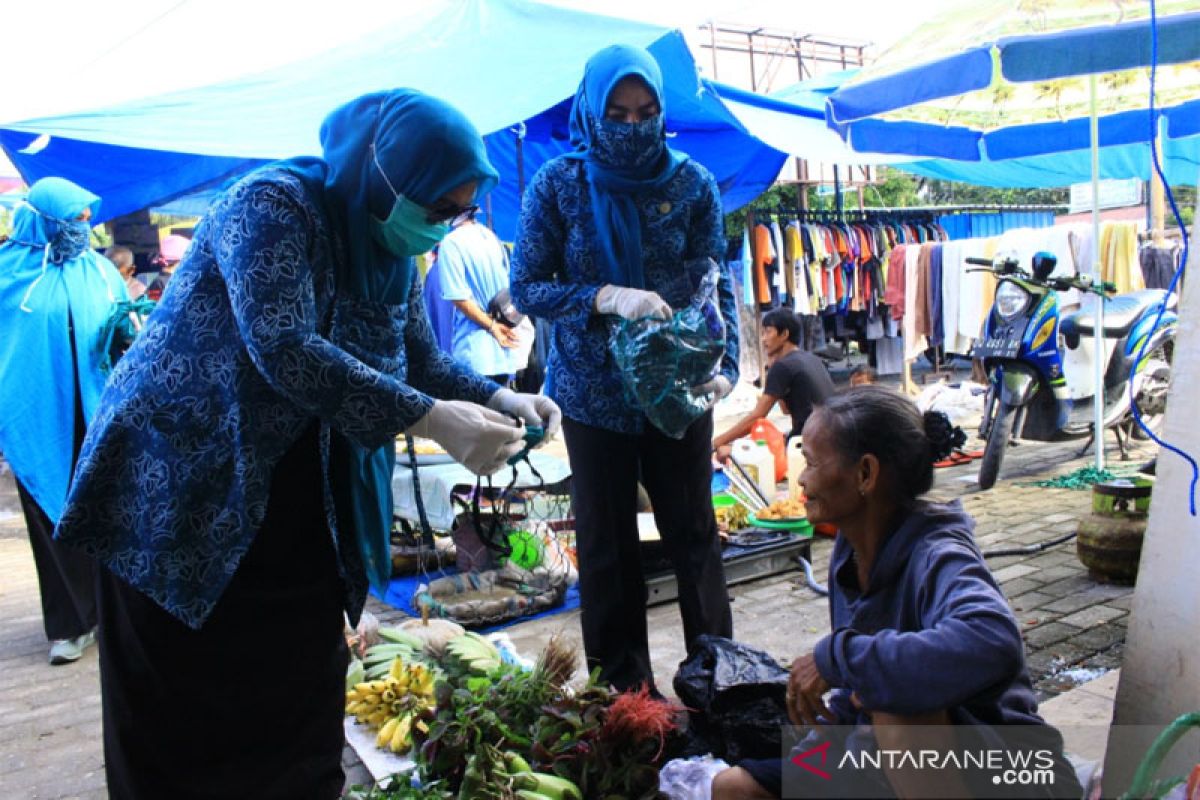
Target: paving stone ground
<point x="1074" y="627"/>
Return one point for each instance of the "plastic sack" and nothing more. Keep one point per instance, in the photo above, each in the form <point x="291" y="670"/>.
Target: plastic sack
<point x="735" y="695"/>
<point x="689" y="778"/>
<point x="661" y="360"/>
<point x="961" y="402"/>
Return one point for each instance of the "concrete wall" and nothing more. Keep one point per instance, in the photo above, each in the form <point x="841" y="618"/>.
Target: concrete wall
<point x="1160" y="676"/>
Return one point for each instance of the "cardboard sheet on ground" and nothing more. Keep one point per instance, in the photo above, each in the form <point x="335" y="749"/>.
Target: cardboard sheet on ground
<point x="402" y="590"/>
<point x="438" y="482"/>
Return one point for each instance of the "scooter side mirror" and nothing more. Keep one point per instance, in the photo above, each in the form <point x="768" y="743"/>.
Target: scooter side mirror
<point x="1043" y="265"/>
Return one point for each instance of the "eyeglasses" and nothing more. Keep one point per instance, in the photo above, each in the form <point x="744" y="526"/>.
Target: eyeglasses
<point x="442" y="212"/>
<point x="451" y="214"/>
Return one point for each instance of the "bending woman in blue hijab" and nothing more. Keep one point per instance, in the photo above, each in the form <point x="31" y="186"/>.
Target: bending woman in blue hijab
<point x="56" y="294"/>
<point x="237" y="480"/>
<point x="626" y="226"/>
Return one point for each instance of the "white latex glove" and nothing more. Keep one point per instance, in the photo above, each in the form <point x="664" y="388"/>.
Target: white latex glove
<point x="534" y="409"/>
<point x="719" y="387"/>
<point x="632" y="304"/>
<point x="478" y="438"/>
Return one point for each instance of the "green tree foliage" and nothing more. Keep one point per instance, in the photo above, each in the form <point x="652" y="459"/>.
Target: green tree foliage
<point x="778" y="196"/>
<point x="897" y="189"/>
<point x="940" y="193"/>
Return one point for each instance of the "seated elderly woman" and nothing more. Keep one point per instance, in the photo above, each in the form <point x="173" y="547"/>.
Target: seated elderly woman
<point x="922" y="638"/>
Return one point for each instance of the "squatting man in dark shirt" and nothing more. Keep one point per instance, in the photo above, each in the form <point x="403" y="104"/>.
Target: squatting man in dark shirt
<point x="796" y="379"/>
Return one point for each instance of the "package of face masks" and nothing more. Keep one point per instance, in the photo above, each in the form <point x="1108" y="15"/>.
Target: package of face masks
<point x="662" y="360"/>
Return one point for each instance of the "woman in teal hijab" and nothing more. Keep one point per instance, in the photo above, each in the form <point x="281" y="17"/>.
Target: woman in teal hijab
<point x="56" y="294"/>
<point x="236" y="482"/>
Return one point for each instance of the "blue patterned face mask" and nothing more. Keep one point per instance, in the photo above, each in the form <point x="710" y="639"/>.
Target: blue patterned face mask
<point x="628" y="145"/>
<point x="407" y="230"/>
<point x="72" y="238"/>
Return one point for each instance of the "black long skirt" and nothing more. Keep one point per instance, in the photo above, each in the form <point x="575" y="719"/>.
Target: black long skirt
<point x="250" y="705"/>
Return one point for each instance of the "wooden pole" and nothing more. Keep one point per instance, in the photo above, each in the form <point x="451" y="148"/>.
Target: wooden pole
<point x="1158" y="199"/>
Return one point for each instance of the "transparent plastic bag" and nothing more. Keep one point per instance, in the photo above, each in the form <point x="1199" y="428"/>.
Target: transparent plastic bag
<point x="661" y="360"/>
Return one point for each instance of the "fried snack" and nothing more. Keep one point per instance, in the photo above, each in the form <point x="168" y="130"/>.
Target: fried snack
<point x="791" y="508"/>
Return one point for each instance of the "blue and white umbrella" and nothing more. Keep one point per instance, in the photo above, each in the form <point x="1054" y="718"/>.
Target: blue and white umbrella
<point x="1001" y="79"/>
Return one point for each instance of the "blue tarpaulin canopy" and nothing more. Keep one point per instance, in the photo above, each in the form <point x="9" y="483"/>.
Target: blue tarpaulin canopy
<point x="791" y="120"/>
<point x="503" y="62"/>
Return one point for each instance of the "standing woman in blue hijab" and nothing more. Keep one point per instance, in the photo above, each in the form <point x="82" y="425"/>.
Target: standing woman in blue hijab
<point x="56" y="294"/>
<point x="624" y="226"/>
<point x="237" y="480"/>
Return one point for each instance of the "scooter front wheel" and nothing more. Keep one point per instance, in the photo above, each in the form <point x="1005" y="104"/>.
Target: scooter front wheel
<point x="997" y="442"/>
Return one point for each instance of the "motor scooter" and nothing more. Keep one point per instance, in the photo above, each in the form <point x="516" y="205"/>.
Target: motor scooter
<point x="1041" y="367"/>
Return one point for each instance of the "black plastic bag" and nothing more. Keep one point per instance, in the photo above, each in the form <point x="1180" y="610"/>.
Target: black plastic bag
<point x="736" y="698"/>
<point x="661" y="360"/>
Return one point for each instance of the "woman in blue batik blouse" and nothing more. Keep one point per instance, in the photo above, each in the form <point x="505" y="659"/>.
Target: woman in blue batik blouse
<point x="617" y="227"/>
<point x="236" y="479"/>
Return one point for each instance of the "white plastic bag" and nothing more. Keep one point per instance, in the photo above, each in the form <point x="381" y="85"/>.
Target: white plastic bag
<point x="962" y="402"/>
<point x="689" y="778"/>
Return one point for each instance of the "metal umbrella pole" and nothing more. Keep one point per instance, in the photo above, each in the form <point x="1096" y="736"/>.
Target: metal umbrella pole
<point x="1097" y="280"/>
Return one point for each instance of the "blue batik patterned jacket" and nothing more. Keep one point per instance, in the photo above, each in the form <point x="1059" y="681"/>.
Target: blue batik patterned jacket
<point x="250" y="345"/>
<point x="556" y="275"/>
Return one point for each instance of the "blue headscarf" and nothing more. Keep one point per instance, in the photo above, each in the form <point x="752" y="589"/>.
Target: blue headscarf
<point x="621" y="158"/>
<point x="51" y="280"/>
<point x="427" y="148"/>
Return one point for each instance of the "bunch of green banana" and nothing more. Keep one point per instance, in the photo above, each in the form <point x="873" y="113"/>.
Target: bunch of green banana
<point x="474" y="653"/>
<point x="540" y="786"/>
<point x="377" y="661"/>
<point x="397" y="636"/>
<point x="530" y="785"/>
<point x="491" y="775"/>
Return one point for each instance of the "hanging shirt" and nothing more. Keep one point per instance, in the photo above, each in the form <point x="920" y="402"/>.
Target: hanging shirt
<point x="952" y="268"/>
<point x="764" y="256"/>
<point x="747" y="266"/>
<point x="936" y="337"/>
<point x="914" y="343"/>
<point x="796" y="269"/>
<point x="1118" y="251"/>
<point x="976" y="289"/>
<point x="923" y="306"/>
<point x="778" y="280"/>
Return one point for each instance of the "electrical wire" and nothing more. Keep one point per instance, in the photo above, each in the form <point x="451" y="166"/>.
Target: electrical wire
<point x="1030" y="549"/>
<point x="819" y="588"/>
<point x="1137" y="414"/>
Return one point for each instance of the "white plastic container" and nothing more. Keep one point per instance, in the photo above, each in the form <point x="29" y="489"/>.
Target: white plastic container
<point x="795" y="465"/>
<point x="759" y="463"/>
